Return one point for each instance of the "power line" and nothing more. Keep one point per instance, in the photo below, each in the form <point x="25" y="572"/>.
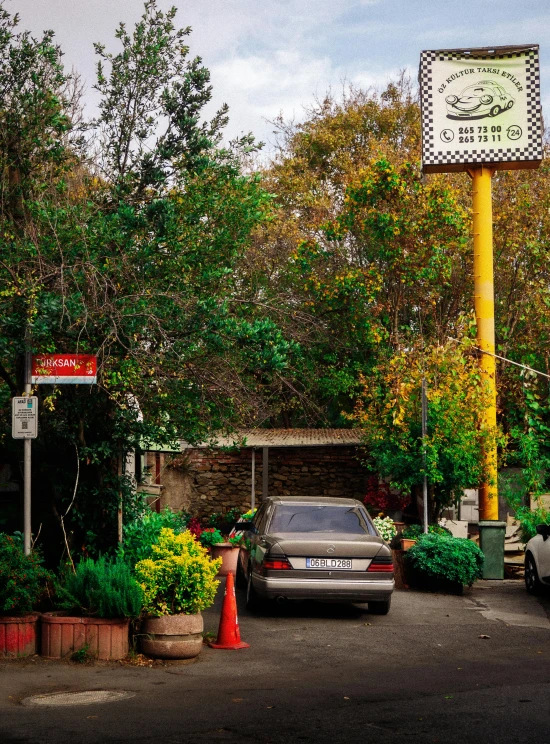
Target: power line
<point x="504" y="359"/>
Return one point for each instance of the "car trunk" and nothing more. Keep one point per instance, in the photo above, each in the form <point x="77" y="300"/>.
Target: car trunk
<point x="328" y="544"/>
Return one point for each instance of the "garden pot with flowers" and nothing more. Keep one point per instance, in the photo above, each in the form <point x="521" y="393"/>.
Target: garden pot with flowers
<point x="385" y="527"/>
<point x="22" y="583"/>
<point x="226" y="548"/>
<point x="178" y="582"/>
<point x="96" y="600"/>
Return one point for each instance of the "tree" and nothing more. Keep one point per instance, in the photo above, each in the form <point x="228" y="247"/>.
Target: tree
<point x="362" y="249"/>
<point x="374" y="259"/>
<point x="126" y="249"/>
<point x="389" y="414"/>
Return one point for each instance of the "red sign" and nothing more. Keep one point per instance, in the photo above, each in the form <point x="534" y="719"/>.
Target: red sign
<point x="64" y="369"/>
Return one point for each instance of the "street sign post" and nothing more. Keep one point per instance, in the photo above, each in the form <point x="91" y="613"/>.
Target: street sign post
<point x="64" y="369"/>
<point x="44" y="369"/>
<point x="481" y="112"/>
<point x="24" y="421"/>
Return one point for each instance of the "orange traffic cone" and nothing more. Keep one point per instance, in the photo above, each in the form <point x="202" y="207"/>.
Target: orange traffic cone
<point x="229" y="635"/>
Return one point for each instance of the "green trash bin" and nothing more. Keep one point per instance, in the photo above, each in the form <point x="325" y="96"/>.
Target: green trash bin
<point x="491" y="542"/>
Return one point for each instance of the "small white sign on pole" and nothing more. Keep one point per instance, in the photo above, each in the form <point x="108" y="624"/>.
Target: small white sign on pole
<point x="24" y="422"/>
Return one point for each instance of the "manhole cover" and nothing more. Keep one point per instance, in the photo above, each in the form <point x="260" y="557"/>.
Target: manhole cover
<point x="88" y="697"/>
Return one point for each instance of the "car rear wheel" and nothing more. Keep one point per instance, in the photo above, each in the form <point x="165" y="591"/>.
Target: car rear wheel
<point x="495" y="111"/>
<point x="532" y="581"/>
<point x="380" y="608"/>
<point x="253" y="602"/>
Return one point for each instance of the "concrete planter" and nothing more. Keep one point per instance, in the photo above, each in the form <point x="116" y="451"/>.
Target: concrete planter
<point x="172" y="636"/>
<point x="18" y="635"/>
<point x="103" y="638"/>
<point x="229" y="555"/>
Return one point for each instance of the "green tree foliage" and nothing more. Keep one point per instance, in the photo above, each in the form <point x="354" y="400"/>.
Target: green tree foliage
<point x="364" y="246"/>
<point x="142" y="533"/>
<point x="389" y="413"/>
<point x="375" y="259"/>
<point x="124" y="245"/>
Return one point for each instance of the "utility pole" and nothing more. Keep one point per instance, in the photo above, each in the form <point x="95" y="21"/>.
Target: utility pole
<point x="253" y="490"/>
<point x="424" y="435"/>
<point x="27" y="466"/>
<point x="503" y="132"/>
<point x="484" y="304"/>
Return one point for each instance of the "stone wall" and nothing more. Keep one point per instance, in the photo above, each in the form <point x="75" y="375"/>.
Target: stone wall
<point x="205" y="481"/>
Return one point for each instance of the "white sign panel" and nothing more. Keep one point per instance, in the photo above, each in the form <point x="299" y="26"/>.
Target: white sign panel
<point x="24" y="421"/>
<point x="480" y="107"/>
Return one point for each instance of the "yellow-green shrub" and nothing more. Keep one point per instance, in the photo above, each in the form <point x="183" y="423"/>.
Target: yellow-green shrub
<point x="179" y="577"/>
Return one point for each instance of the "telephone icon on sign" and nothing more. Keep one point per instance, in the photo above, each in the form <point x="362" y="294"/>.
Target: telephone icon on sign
<point x="447" y="135"/>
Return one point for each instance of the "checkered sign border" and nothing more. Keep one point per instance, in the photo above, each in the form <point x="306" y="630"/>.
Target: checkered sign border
<point x="432" y="156"/>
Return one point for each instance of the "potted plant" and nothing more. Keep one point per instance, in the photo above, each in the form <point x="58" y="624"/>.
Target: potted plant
<point x="178" y="582"/>
<point x="444" y="563"/>
<point x="385" y="527"/>
<point x="22" y="583"/>
<point x="222" y="546"/>
<point x="412" y="532"/>
<point x="209" y="537"/>
<point x="96" y="601"/>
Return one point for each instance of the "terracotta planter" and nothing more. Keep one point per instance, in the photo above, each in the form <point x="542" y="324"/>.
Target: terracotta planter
<point x="399" y="570"/>
<point x="103" y="638"/>
<point x="229" y="555"/>
<point x="172" y="636"/>
<point x="406" y="543"/>
<point x="18" y="635"/>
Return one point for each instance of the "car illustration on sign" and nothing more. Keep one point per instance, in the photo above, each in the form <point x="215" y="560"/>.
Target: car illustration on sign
<point x="485" y="98"/>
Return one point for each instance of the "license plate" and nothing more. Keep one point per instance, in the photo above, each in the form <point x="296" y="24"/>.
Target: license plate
<point x="336" y="563"/>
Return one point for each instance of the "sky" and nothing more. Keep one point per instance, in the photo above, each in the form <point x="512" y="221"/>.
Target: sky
<point x="268" y="57"/>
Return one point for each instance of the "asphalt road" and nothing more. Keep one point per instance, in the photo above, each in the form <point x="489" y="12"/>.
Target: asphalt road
<point x="319" y="673"/>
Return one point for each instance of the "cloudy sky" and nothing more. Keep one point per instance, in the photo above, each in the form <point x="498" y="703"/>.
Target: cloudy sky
<point x="272" y="56"/>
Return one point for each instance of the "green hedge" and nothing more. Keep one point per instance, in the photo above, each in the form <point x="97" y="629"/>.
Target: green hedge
<point x="445" y="557"/>
<point x="102" y="588"/>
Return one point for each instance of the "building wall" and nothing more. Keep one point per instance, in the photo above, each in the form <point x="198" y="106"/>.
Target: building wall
<point x="205" y="481"/>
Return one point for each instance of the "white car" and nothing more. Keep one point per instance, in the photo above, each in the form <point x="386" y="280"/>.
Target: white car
<point x="537" y="560"/>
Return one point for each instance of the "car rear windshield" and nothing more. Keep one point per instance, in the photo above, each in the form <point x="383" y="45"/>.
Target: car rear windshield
<point x="312" y="518"/>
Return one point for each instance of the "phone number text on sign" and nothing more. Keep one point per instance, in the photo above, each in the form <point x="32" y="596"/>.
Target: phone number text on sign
<point x="481" y="134"/>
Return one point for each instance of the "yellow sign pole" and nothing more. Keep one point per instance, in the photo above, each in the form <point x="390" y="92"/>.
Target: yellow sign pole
<point x="484" y="303"/>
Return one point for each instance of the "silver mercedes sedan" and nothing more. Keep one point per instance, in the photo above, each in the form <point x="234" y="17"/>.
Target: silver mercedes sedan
<point x="315" y="548"/>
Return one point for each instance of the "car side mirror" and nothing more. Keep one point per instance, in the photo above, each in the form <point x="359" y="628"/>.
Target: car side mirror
<point x="544" y="530"/>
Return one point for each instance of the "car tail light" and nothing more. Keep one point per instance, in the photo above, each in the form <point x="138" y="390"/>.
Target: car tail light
<point x="275" y="564"/>
<point x="381" y="564"/>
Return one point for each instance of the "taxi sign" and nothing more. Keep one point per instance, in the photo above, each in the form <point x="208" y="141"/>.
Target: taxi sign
<point x="480" y="107"/>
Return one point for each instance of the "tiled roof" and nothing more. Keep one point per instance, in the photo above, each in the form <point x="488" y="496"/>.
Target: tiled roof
<point x="286" y="438"/>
